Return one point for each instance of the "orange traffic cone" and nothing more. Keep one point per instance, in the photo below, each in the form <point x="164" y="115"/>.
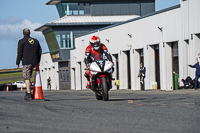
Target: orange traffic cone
<point x="37" y="89"/>
<point x="21" y="88"/>
<point x="7" y="89"/>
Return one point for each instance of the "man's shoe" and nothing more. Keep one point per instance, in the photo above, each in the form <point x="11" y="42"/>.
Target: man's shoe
<point x="28" y="96"/>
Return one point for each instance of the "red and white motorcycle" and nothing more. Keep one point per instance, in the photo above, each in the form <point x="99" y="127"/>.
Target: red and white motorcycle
<point x="101" y="70"/>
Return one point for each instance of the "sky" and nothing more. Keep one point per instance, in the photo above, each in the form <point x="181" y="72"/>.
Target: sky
<point x="15" y="15"/>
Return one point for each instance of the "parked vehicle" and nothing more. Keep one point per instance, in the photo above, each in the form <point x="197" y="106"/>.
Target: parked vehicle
<point x="101" y="70"/>
<point x="20" y="84"/>
<point x="188" y="82"/>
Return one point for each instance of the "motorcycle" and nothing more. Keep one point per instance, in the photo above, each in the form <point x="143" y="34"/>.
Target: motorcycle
<point x="101" y="70"/>
<point x="188" y="82"/>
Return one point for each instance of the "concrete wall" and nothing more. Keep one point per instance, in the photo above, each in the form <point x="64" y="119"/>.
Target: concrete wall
<point x="170" y="25"/>
<point x="49" y="69"/>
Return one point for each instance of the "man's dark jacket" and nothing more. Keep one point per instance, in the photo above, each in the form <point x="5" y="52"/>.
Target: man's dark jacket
<point x="29" y="51"/>
<point x="197" y="68"/>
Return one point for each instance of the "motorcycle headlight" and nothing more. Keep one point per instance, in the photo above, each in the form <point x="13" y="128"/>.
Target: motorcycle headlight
<point x="93" y="72"/>
<point x="108" y="66"/>
<point x="94" y="67"/>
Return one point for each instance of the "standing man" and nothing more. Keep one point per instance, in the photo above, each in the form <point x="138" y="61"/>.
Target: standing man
<point x="29" y="51"/>
<point x="197" y="73"/>
<point x="198" y="58"/>
<point x="142" y="76"/>
<point x="49" y="83"/>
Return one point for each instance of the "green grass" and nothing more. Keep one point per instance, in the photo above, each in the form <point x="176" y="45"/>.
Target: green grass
<point x="10" y="75"/>
<point x="14" y="74"/>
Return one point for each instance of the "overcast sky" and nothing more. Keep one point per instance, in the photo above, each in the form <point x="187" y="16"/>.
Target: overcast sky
<point x="15" y="15"/>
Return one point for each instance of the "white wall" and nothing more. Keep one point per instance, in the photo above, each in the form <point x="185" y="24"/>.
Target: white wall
<point x="177" y="25"/>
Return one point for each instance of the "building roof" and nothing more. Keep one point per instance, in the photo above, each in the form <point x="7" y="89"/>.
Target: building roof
<point x="54" y="2"/>
<point x="134" y="19"/>
<point x="86" y="20"/>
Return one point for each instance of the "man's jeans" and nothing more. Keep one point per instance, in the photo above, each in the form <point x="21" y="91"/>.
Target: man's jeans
<point x="196" y="81"/>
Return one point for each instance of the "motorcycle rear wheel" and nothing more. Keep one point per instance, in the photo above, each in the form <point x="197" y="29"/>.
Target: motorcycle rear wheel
<point x="104" y="86"/>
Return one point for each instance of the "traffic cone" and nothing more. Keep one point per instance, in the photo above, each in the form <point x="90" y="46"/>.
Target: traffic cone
<point x="7" y="89"/>
<point x="21" y="88"/>
<point x="37" y="89"/>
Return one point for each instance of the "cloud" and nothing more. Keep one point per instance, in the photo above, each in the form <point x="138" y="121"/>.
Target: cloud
<point x="10" y="20"/>
<point x="12" y="29"/>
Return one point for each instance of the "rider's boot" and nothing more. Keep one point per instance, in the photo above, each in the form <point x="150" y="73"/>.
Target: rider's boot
<point x="88" y="86"/>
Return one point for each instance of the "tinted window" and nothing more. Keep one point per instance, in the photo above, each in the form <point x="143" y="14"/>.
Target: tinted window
<point x="76" y="8"/>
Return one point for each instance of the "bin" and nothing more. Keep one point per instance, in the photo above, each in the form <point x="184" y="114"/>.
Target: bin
<point x="154" y="85"/>
<point x="117" y="82"/>
<point x="176" y="81"/>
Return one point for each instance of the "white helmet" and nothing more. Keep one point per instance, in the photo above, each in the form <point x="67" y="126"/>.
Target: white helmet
<point x="95" y="42"/>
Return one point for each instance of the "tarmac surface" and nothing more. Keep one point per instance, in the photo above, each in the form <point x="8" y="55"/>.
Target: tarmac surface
<point x="127" y="111"/>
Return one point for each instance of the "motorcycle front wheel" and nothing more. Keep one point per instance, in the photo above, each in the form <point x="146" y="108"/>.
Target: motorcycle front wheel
<point x="104" y="87"/>
<point x="98" y="97"/>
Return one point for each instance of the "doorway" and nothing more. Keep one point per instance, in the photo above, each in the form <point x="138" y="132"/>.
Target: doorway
<point x="174" y="60"/>
<point x="157" y="65"/>
<point x="128" y="68"/>
<point x="140" y="56"/>
<point x="125" y="70"/>
<point x="73" y="86"/>
<point x="154" y="65"/>
<point x="65" y="82"/>
<point x="79" y="76"/>
<point x="187" y="57"/>
<point x="115" y="74"/>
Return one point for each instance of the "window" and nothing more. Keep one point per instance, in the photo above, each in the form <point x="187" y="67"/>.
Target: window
<point x="76" y="8"/>
<point x="63" y="75"/>
<point x="87" y="9"/>
<point x="60" y="75"/>
<point x="73" y="9"/>
<point x="60" y="9"/>
<point x="65" y="39"/>
<point x="67" y="75"/>
<point x="58" y="40"/>
<point x="81" y="9"/>
<point x="65" y="7"/>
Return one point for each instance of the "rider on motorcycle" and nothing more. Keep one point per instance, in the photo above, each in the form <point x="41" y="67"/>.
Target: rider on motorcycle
<point x="91" y="51"/>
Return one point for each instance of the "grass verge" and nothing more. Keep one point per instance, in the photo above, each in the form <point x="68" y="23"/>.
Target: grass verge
<point x="14" y="74"/>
